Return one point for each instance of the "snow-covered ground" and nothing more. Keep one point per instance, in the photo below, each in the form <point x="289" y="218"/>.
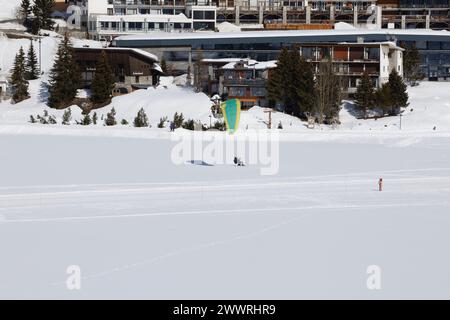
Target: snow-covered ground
<point x="8" y="9"/>
<point x="139" y="226"/>
<point x="112" y="201"/>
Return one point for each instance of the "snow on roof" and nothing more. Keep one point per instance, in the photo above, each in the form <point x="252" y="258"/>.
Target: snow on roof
<point x="252" y="64"/>
<point x="219" y="60"/>
<point x="157" y="67"/>
<point x="283" y="33"/>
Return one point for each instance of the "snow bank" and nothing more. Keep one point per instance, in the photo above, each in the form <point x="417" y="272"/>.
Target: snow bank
<point x="8" y="9"/>
<point x="343" y="26"/>
<point x="228" y="27"/>
<point x="9" y="48"/>
<point x="12" y="26"/>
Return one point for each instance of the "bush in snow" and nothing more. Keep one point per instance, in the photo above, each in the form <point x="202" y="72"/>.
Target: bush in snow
<point x="52" y="120"/>
<point x="189" y="124"/>
<point x="67" y="116"/>
<point x="86" y="120"/>
<point x="178" y="120"/>
<point x="280" y="125"/>
<point x="141" y="119"/>
<point x="111" y="118"/>
<point x="162" y="122"/>
<point x="124" y="122"/>
<point x="219" y="125"/>
<point x="32" y="119"/>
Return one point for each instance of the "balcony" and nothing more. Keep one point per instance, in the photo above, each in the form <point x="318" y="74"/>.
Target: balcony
<point x="244" y="82"/>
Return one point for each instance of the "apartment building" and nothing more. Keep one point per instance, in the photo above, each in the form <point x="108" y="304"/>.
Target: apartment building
<point x="108" y="19"/>
<point x="246" y="79"/>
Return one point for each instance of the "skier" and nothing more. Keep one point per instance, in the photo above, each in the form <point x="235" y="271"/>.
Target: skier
<point x="172" y="126"/>
<point x="380" y="184"/>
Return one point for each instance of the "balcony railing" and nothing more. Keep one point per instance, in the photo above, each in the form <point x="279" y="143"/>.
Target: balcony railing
<point x="245" y="82"/>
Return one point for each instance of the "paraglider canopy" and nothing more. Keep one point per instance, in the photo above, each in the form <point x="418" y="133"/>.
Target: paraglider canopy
<point x="231" y="110"/>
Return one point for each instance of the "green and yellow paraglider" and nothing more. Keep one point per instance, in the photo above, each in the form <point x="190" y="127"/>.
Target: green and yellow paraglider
<point x="231" y="110"/>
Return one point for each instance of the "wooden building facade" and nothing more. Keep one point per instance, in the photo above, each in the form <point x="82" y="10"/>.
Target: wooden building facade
<point x="132" y="68"/>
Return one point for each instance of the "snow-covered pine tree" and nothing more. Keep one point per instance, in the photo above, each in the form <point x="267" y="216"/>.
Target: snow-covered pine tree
<point x="103" y="81"/>
<point x="94" y="118"/>
<point x="19" y="80"/>
<point x="141" y="119"/>
<point x="365" y="95"/>
<point x="65" y="77"/>
<point x="32" y="63"/>
<point x="111" y="118"/>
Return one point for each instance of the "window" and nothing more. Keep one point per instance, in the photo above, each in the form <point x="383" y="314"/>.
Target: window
<point x="209" y="15"/>
<point x="237" y="92"/>
<point x="258" y="91"/>
<point x="136" y="79"/>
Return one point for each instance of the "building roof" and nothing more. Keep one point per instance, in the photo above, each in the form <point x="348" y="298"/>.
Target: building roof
<point x="279" y="36"/>
<point x="139" y="52"/>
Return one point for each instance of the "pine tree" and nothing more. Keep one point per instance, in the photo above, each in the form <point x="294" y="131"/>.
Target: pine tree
<point x="65" y="77"/>
<point x="32" y="64"/>
<point x="94" y="118"/>
<point x="111" y="118"/>
<point x="19" y="80"/>
<point x="103" y="81"/>
<point x="398" y="93"/>
<point x="42" y="11"/>
<point x="411" y="65"/>
<point x="365" y="95"/>
<point x="304" y="85"/>
<point x="141" y="119"/>
<point x="278" y="83"/>
<point x="383" y="98"/>
<point x="25" y="10"/>
<point x="291" y="83"/>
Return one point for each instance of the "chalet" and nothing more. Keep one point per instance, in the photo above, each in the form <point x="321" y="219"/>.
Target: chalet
<point x="246" y="80"/>
<point x="133" y="68"/>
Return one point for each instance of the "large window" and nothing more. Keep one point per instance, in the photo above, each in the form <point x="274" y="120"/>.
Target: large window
<point x="204" y="15"/>
<point x="258" y="91"/>
<point x="237" y="91"/>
